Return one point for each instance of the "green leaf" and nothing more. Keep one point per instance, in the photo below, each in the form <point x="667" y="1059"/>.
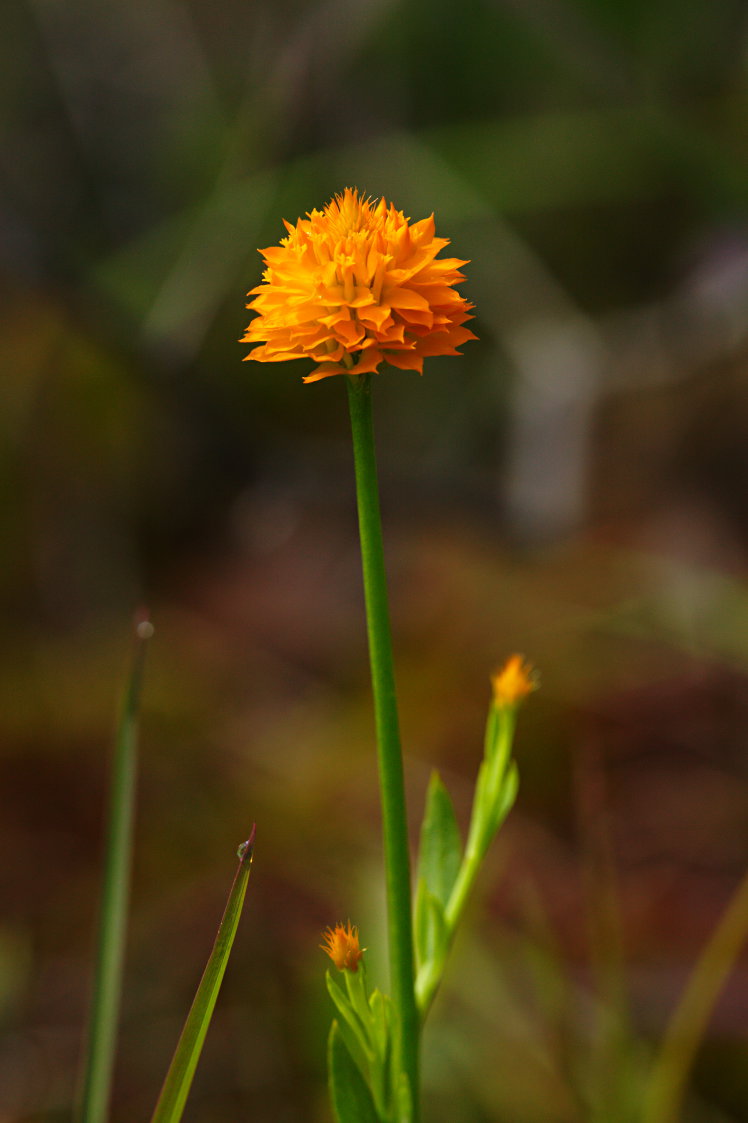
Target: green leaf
<point x="380" y="1021"/>
<point x="441" y="845"/>
<point x="381" y="1069"/>
<point x="98" y="1061"/>
<point x="184" y="1062"/>
<point x="351" y="1099"/>
<point x="431" y="931"/>
<point x="351" y="1027"/>
<point x="437" y="931"/>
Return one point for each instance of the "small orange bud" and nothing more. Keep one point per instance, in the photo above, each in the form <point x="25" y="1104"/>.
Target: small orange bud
<point x="513" y="682"/>
<point x="341" y="944"/>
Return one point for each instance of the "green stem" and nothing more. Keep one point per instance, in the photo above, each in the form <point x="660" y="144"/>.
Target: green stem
<point x="110" y="952"/>
<point x="391" y="779"/>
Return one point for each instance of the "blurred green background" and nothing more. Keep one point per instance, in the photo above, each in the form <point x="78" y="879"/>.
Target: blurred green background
<point x="574" y="488"/>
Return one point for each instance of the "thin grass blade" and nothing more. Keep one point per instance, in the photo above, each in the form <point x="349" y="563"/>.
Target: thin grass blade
<point x="98" y="1058"/>
<point x="184" y="1062"/>
<point x="669" y="1075"/>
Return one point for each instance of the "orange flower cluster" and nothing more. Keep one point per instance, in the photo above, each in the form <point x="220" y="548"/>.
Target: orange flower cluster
<point x="341" y="944"/>
<point x="513" y="682"/>
<point x="356" y="285"/>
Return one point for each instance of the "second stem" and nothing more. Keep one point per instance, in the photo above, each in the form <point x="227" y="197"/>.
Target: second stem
<point x="391" y="779"/>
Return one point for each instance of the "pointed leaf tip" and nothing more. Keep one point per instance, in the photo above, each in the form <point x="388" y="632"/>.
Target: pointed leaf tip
<point x="179" y="1078"/>
<point x="441" y="844"/>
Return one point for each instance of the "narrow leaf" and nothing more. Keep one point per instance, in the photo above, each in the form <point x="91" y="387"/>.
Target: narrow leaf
<point x="184" y="1062"/>
<point x="98" y="1062"/>
<point x="380" y="1021"/>
<point x="431" y="931"/>
<point x="437" y="935"/>
<point x="441" y="846"/>
<point x="351" y="1099"/>
<point x="351" y="1026"/>
<point x="381" y="1071"/>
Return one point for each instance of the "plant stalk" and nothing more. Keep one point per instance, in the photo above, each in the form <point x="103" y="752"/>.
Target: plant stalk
<point x="389" y="752"/>
<point x="98" y="1065"/>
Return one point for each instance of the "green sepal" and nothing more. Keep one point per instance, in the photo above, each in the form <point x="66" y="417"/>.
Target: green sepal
<point x="355" y="987"/>
<point x="504" y="800"/>
<point x="351" y="1099"/>
<point x="440" y="849"/>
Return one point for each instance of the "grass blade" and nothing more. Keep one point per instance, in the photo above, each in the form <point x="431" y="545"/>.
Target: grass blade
<point x="184" y="1062"/>
<point x="667" y="1081"/>
<point x="98" y="1060"/>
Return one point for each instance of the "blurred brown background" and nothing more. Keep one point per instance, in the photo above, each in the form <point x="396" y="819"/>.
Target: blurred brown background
<point x="573" y="487"/>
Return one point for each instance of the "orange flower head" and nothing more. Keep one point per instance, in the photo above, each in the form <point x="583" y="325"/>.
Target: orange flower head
<point x="341" y="944"/>
<point x="355" y="285"/>
<point x="513" y="682"/>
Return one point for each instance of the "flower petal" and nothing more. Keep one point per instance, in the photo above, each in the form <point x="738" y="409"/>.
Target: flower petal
<point x="354" y="284"/>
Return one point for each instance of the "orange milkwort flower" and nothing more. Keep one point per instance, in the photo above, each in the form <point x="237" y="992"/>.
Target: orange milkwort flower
<point x="355" y="285"/>
<point x="513" y="682"/>
<point x="341" y="944"/>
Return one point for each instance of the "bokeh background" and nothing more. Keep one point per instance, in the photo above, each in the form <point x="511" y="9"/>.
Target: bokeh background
<point x="574" y="488"/>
